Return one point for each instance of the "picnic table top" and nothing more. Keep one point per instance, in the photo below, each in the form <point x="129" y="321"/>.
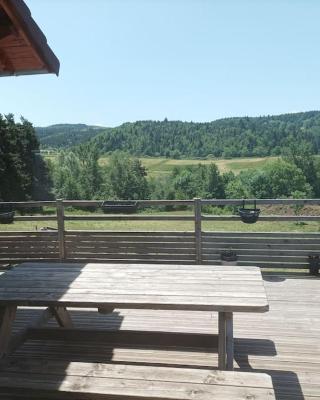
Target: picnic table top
<point x="152" y="286"/>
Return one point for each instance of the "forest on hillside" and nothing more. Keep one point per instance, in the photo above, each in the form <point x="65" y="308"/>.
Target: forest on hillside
<point x="77" y="174"/>
<point x="227" y="138"/>
<point x="65" y="135"/>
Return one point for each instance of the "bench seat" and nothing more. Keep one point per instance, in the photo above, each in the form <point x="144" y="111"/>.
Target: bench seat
<point x="56" y="379"/>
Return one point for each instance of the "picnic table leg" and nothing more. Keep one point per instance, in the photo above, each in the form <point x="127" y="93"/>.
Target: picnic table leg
<point x="62" y="316"/>
<point x="229" y="339"/>
<point x="7" y="316"/>
<point x="222" y="345"/>
<point x="225" y="346"/>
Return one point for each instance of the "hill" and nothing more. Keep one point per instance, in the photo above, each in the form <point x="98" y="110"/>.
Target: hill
<point x="229" y="137"/>
<point x="66" y="135"/>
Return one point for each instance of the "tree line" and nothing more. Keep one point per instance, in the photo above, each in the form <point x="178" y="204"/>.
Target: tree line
<point x="295" y="174"/>
<point x="65" y="135"/>
<point x="229" y="137"/>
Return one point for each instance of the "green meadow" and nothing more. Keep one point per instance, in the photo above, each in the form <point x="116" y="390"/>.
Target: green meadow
<point x="157" y="166"/>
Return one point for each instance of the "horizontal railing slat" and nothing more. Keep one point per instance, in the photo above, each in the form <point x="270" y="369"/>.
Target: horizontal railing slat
<point x="135" y="260"/>
<point x="36" y="218"/>
<point x="29" y="234"/>
<point x="129" y="218"/>
<point x="80" y="233"/>
<point x="97" y="203"/>
<point x="239" y="202"/>
<point x="90" y="249"/>
<point x="263" y="218"/>
<point x="260" y="234"/>
<point x="274" y="240"/>
<point x="274" y="265"/>
<point x="261" y="252"/>
<point x="239" y="246"/>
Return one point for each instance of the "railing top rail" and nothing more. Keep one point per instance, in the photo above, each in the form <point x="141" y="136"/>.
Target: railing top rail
<point x="260" y="201"/>
<point x="214" y="202"/>
<point x="28" y="204"/>
<point x="97" y="203"/>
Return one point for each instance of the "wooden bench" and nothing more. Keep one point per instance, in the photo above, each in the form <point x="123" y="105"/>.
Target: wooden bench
<point x="56" y="379"/>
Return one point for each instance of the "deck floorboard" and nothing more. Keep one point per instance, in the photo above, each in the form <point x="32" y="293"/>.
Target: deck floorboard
<point x="283" y="343"/>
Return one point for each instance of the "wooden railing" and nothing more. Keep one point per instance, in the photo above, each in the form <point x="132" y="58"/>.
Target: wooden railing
<point x="278" y="249"/>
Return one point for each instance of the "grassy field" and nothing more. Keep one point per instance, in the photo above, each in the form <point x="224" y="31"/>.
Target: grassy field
<point x="235" y="226"/>
<point x="157" y="166"/>
<point x="150" y="226"/>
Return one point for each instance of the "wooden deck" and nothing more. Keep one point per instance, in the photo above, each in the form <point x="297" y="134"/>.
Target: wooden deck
<point x="284" y="343"/>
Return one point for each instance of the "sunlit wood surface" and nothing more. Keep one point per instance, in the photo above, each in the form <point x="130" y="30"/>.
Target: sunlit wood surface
<point x="283" y="343"/>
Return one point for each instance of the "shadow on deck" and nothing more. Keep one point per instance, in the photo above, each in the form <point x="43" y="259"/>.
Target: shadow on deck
<point x="283" y="343"/>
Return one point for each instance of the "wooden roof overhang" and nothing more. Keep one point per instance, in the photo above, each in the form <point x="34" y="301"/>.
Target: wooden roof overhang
<point x="23" y="46"/>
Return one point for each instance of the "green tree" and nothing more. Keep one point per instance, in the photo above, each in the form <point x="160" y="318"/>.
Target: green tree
<point x="20" y="178"/>
<point x="66" y="173"/>
<point x="276" y="179"/>
<point x="91" y="176"/>
<point x="285" y="179"/>
<point x="127" y="177"/>
<point x="303" y="156"/>
<point x="196" y="181"/>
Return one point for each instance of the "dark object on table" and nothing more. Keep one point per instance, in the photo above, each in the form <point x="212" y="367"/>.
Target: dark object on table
<point x="125" y="206"/>
<point x="228" y="257"/>
<point x="249" y="215"/>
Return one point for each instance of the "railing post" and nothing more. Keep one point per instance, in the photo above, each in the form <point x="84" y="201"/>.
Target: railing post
<point x="197" y="230"/>
<point x="60" y="222"/>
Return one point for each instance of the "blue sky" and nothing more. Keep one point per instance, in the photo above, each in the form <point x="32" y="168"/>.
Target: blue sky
<point x="192" y="60"/>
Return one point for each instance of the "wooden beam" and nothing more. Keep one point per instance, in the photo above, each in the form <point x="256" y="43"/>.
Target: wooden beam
<point x="105" y="310"/>
<point x="229" y="341"/>
<point x="7" y="316"/>
<point x="62" y="316"/>
<point x="222" y="345"/>
<point x="5" y="63"/>
<point x="136" y="338"/>
<point x="60" y="222"/>
<point x="21" y="336"/>
<point x="6" y="25"/>
<point x="197" y="230"/>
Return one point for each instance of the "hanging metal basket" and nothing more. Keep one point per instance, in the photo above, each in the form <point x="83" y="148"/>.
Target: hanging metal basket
<point x="125" y="206"/>
<point x="249" y="215"/>
<point x="314" y="264"/>
<point x="6" y="215"/>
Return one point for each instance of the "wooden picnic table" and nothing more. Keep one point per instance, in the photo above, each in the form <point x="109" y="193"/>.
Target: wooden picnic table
<point x="107" y="286"/>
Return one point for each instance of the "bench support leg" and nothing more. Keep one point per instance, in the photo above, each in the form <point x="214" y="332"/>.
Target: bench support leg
<point x="225" y="347"/>
<point x="62" y="316"/>
<point x="7" y="316"/>
<point x="22" y="335"/>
